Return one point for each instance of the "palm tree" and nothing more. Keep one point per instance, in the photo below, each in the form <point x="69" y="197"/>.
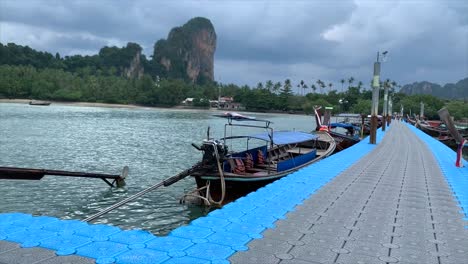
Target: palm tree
<point x="342" y="83"/>
<point x="305" y="87"/>
<point x="323" y="85"/>
<point x="330" y="85"/>
<point x="359" y="85"/>
<point x="319" y="84"/>
<point x="350" y="81"/>
<point x="287" y="85"/>
<point x="313" y="87"/>
<point x="277" y="87"/>
<point x="260" y="86"/>
<point x="269" y="85"/>
<point x="394" y="84"/>
<point x="302" y="86"/>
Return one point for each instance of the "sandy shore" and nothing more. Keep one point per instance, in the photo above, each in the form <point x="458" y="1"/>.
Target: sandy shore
<point x="26" y="101"/>
<point x="130" y="106"/>
<point x="89" y="104"/>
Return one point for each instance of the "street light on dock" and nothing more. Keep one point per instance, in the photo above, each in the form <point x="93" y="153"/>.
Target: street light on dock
<point x="375" y="99"/>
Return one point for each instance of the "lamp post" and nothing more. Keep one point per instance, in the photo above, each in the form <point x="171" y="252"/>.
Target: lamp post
<point x="375" y="100"/>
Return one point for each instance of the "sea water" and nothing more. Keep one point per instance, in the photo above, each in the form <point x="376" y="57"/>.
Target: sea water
<point x="154" y="143"/>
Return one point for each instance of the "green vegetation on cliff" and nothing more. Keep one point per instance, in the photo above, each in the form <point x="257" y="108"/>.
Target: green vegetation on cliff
<point x="188" y="52"/>
<point x="109" y="61"/>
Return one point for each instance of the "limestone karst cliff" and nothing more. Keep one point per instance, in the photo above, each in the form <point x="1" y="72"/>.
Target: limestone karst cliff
<point x="456" y="90"/>
<point x="188" y="52"/>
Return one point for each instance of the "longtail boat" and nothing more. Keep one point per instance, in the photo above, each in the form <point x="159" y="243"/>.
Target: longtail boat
<point x="225" y="174"/>
<point x="343" y="141"/>
<point x="410" y="120"/>
<point x="459" y="139"/>
<point x="41" y="103"/>
<point x="434" y="131"/>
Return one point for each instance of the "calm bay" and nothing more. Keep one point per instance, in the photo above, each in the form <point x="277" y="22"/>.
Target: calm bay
<point x="154" y="143"/>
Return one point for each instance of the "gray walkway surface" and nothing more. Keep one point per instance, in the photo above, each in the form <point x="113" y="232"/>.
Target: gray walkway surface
<point x="392" y="206"/>
<point x="12" y="253"/>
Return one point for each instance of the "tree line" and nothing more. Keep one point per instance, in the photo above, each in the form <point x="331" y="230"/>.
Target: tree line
<point x="26" y="73"/>
<point x="29" y="82"/>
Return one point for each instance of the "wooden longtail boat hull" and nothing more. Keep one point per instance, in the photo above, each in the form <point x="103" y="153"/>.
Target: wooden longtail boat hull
<point x="343" y="141"/>
<point x="281" y="159"/>
<point x="234" y="189"/>
<point x="238" y="185"/>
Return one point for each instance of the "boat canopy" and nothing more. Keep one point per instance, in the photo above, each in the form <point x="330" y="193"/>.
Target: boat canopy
<point x="344" y="125"/>
<point x="285" y="137"/>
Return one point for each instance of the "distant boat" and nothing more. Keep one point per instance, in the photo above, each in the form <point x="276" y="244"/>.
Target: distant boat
<point x="343" y="141"/>
<point x="43" y="103"/>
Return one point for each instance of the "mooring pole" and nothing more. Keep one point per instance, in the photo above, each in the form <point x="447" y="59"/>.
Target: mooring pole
<point x="375" y="101"/>
<point x="363" y="116"/>
<point x="385" y="106"/>
<point x="421" y="114"/>
<point x="390" y="110"/>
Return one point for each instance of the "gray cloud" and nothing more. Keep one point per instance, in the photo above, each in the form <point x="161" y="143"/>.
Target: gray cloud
<point x="261" y="40"/>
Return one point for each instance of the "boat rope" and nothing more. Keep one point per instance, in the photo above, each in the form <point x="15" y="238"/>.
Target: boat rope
<point x="221" y="179"/>
<point x="196" y="193"/>
<point x="207" y="199"/>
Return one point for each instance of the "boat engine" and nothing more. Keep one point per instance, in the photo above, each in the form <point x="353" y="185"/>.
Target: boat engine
<point x="208" y="148"/>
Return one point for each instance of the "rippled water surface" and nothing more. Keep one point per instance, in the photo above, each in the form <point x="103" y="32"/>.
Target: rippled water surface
<point x="154" y="143"/>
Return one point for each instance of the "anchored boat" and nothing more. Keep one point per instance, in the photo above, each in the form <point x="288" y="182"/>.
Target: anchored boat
<point x="225" y="174"/>
<point x="41" y="103"/>
<point x="343" y="141"/>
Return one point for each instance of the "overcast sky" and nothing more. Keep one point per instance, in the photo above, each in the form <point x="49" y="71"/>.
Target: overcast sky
<point x="262" y="40"/>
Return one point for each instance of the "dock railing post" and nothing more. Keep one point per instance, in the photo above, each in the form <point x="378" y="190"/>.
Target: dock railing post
<point x="375" y="102"/>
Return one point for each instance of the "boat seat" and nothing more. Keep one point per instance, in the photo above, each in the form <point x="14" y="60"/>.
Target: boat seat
<point x="237" y="165"/>
<point x="249" y="162"/>
<point x="260" y="157"/>
<point x="280" y="153"/>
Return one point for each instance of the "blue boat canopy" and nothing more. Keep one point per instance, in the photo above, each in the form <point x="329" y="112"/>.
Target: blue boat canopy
<point x="343" y="125"/>
<point x="285" y="137"/>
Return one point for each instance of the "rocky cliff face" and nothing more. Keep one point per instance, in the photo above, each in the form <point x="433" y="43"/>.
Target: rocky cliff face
<point x="127" y="61"/>
<point x="188" y="52"/>
<point x="135" y="69"/>
<point x="449" y="91"/>
<point x="420" y="88"/>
